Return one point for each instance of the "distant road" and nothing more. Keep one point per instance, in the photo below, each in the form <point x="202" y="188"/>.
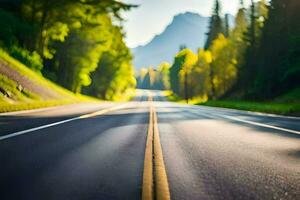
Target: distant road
<point x="96" y="151"/>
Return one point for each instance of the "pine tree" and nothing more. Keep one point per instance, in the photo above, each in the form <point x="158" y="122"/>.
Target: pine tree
<point x="248" y="70"/>
<point x="241" y="19"/>
<point x="226" y="32"/>
<point x="252" y="24"/>
<point x="216" y="25"/>
<point x="237" y="35"/>
<point x="279" y="62"/>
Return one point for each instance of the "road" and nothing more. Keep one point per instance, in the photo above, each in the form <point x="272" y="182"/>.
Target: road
<point x="208" y="153"/>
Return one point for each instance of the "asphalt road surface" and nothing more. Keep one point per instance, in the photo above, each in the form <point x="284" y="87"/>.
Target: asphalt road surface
<point x="209" y="153"/>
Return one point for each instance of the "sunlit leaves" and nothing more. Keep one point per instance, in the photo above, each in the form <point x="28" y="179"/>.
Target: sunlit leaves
<point x="73" y="38"/>
<point x="114" y="73"/>
<point x="210" y="73"/>
<point x="58" y="32"/>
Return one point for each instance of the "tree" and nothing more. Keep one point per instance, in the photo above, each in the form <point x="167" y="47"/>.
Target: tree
<point x="53" y="19"/>
<point x="226" y="31"/>
<point x="73" y="39"/>
<point x="215" y="26"/>
<point x="114" y="74"/>
<point x="141" y="77"/>
<point x="182" y="66"/>
<point x="248" y="70"/>
<point x="80" y="54"/>
<point x="278" y="61"/>
<point x="223" y="66"/>
<point x="237" y="45"/>
<point x="200" y="75"/>
<point x="162" y="77"/>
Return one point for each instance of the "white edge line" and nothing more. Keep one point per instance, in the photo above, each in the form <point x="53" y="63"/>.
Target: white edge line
<point x="36" y="128"/>
<point x="262" y="125"/>
<point x="61" y="122"/>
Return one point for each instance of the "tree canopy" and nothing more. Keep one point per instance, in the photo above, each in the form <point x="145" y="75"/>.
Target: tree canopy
<point x="68" y="40"/>
<point x="258" y="58"/>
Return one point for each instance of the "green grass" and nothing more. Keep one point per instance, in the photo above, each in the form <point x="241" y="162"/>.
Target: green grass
<point x="8" y="107"/>
<point x="287" y="104"/>
<point x="16" y="94"/>
<point x="267" y="107"/>
<point x="28" y="105"/>
<point x="291" y="96"/>
<point x="173" y="97"/>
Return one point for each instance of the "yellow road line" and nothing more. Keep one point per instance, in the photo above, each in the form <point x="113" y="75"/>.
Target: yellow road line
<point x="155" y="181"/>
<point x="101" y="112"/>
<point x="147" y="190"/>
<point x="161" y="179"/>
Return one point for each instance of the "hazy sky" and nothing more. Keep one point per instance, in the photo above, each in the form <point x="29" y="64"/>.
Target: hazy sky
<point x="152" y="16"/>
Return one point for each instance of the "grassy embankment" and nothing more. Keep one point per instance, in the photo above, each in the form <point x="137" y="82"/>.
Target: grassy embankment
<point x="14" y="96"/>
<point x="288" y="104"/>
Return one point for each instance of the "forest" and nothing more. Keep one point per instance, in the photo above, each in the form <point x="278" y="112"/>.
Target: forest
<point x="257" y="59"/>
<point x="78" y="44"/>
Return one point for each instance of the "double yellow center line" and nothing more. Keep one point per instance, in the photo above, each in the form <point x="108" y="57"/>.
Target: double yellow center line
<point x="155" y="181"/>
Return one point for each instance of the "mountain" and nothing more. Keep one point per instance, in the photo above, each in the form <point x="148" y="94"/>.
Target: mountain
<point x="185" y="29"/>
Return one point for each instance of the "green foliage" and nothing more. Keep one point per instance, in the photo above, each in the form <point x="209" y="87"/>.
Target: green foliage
<point x="291" y="96"/>
<point x="272" y="63"/>
<point x="222" y="67"/>
<point x="252" y="41"/>
<point x="267" y="107"/>
<point x="155" y="78"/>
<point x="174" y="73"/>
<point x="8" y="26"/>
<point x="216" y="25"/>
<point x="14" y="29"/>
<point x="182" y="65"/>
<point x="9" y="107"/>
<point x="83" y="49"/>
<point x="163" y="79"/>
<point x="200" y="75"/>
<point x="114" y="74"/>
<point x="212" y="72"/>
<point x="10" y="92"/>
<point x="68" y="37"/>
<point x="34" y="77"/>
<point x="140" y="79"/>
<point x="31" y="59"/>
<point x="255" y="60"/>
<point x="14" y="97"/>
